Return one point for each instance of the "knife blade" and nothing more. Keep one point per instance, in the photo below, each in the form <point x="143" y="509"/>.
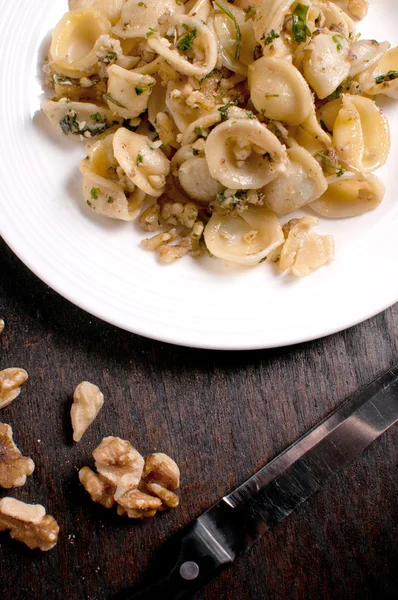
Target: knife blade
<point x="214" y="541"/>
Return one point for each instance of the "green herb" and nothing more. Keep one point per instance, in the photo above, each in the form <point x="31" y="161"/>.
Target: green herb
<point x="250" y="114"/>
<point x="94" y="193"/>
<point x="267" y="156"/>
<point x="109" y="56"/>
<point x="195" y="151"/>
<point x="270" y="37"/>
<point x="200" y="133"/>
<point x="98" y="118"/>
<point x="231" y="202"/>
<point x="336" y="40"/>
<point x="262" y="260"/>
<point x="328" y="163"/>
<point x="150" y="32"/>
<point x="89" y="203"/>
<point x="238" y="36"/>
<point x="140" y="4"/>
<point x="62" y="79"/>
<point x="250" y="12"/>
<point x="213" y="72"/>
<point x="70" y="125"/>
<point x="271" y="95"/>
<point x="113" y="100"/>
<point x="185" y="43"/>
<point x="390" y="76"/>
<point x="111" y="200"/>
<point x="139" y="159"/>
<point x="224" y="110"/>
<point x="300" y="31"/>
<point x="155" y="137"/>
<point x="340" y="90"/>
<point x="184" y="26"/>
<point x="139" y="90"/>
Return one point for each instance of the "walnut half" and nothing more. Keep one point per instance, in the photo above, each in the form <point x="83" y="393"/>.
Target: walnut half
<point x="119" y="464"/>
<point x="87" y="402"/>
<point x="14" y="468"/>
<point x="28" y="523"/>
<point x="10" y="384"/>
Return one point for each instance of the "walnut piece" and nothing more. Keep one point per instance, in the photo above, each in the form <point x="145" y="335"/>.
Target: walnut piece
<point x="14" y="468"/>
<point x="87" y="402"/>
<point x="10" y="385"/>
<point x="2" y="325"/>
<point x="99" y="489"/>
<point x="160" y="468"/>
<point x="119" y="463"/>
<point x="304" y="250"/>
<point x="140" y="488"/>
<point x="28" y="523"/>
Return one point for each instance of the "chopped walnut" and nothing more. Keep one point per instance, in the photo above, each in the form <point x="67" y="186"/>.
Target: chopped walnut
<point x="358" y="8"/>
<point x="173" y="213"/>
<point x="119" y="463"/>
<point x="160" y="468"/>
<point x="87" y="402"/>
<point x="10" y="385"/>
<point x="99" y="489"/>
<point x="14" y="468"/>
<point x="150" y="218"/>
<point x="2" y="325"/>
<point x="28" y="523"/>
<point x="168" y="499"/>
<point x="170" y="254"/>
<point x="154" y="243"/>
<point x="133" y="513"/>
<point x="136" y="500"/>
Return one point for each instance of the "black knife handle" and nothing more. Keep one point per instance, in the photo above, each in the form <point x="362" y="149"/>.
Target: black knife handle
<point x="200" y="559"/>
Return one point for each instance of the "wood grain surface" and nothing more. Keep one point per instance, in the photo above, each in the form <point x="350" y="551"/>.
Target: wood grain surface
<point x="221" y="416"/>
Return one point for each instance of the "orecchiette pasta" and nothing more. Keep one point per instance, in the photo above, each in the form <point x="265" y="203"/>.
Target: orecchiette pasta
<point x="227" y="116"/>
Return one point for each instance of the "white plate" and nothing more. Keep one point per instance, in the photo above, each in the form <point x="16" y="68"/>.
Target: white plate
<point x="99" y="265"/>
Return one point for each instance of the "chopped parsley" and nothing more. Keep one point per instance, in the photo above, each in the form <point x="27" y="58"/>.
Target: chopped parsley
<point x="300" y="31"/>
<point x="185" y="43"/>
<point x="340" y="90"/>
<point x="139" y="159"/>
<point x="267" y="156"/>
<point x="390" y="76"/>
<point x="200" y="133"/>
<point x="111" y="200"/>
<point x="250" y="114"/>
<point x="336" y="40"/>
<point x="271" y="95"/>
<point x="150" y="32"/>
<point x="262" y="260"/>
<point x="224" y="110"/>
<point x="231" y="201"/>
<point x="139" y="90"/>
<point x="70" y="125"/>
<point x="185" y="26"/>
<point x="140" y="4"/>
<point x="250" y="12"/>
<point x="211" y="74"/>
<point x="109" y="57"/>
<point x="328" y="163"/>
<point x="98" y="118"/>
<point x="94" y="193"/>
<point x="257" y="52"/>
<point x="89" y="203"/>
<point x="238" y="36"/>
<point x="270" y="37"/>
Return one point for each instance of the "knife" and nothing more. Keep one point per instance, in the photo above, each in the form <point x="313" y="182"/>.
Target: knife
<point x="233" y="525"/>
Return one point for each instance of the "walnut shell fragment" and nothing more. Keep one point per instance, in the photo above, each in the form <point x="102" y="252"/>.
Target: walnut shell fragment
<point x="28" y="523"/>
<point x="10" y="384"/>
<point x="99" y="489"/>
<point x="14" y="468"/>
<point x="87" y="402"/>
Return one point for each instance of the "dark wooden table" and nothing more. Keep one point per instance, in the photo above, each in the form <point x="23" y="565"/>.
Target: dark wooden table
<point x="221" y="416"/>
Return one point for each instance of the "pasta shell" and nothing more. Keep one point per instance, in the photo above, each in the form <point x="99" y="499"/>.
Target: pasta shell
<point x="128" y="92"/>
<point x="383" y="78"/>
<point x="269" y="17"/>
<point x="335" y="18"/>
<point x="110" y="8"/>
<point x="195" y="179"/>
<point x="301" y="183"/>
<point x="304" y="250"/>
<point x="361" y="134"/>
<point x="81" y="119"/>
<point x="72" y="50"/>
<point x="326" y="63"/>
<point x="279" y="91"/>
<point x="203" y="46"/>
<point x="327" y="114"/>
<point x="365" y="54"/>
<point x="147" y="167"/>
<point x="201" y="10"/>
<point x="226" y="33"/>
<point x="245" y="239"/>
<point x="200" y="127"/>
<point x="350" y="196"/>
<point x="138" y="20"/>
<point x="182" y="113"/>
<point x="244" y="154"/>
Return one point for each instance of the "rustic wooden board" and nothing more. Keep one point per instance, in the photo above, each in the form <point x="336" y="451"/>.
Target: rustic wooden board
<point x="221" y="416"/>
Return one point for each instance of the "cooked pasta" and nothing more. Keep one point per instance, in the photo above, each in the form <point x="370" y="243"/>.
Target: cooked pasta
<point x="210" y="121"/>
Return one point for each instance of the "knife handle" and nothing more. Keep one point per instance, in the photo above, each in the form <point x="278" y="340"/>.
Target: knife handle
<point x="200" y="558"/>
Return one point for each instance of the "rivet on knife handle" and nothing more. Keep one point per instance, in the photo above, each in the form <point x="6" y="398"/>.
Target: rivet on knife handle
<point x="232" y="526"/>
